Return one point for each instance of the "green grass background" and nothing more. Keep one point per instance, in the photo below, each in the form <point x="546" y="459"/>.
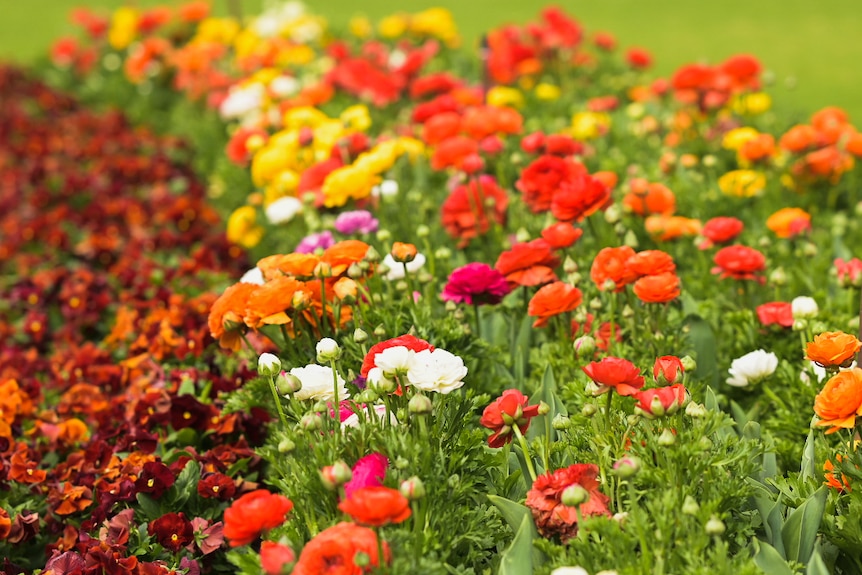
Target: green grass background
<point x="812" y="47"/>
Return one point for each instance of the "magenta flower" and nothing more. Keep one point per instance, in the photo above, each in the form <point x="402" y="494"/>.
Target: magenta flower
<point x="356" y="222"/>
<point x="368" y="472"/>
<point x="476" y="283"/>
<point x="312" y="242"/>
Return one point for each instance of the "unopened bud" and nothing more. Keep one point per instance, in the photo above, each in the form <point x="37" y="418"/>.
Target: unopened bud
<point x="778" y="277"/>
<point x="286" y="446"/>
<point x="561" y="422"/>
<point x="372" y="255"/>
<point x="584" y="346"/>
<point x="380" y="330"/>
<point x="311" y="422"/>
<point x="355" y="271"/>
<point x="589" y="409"/>
<point x="362" y="560"/>
<point x="574" y="495"/>
<point x="412" y="488"/>
<point x="695" y="410"/>
<point x="627" y="467"/>
<point x="384" y="236"/>
<point x="422" y="231"/>
<point x="705" y="443"/>
<point x="419" y="405"/>
<point x="688" y="363"/>
<point x="608" y="285"/>
<point x="570" y="266"/>
<point x="667" y="438"/>
<point x="287" y="383"/>
<point x="336" y="475"/>
<point x="690" y="506"/>
<point x="715" y="526"/>
<point x="268" y="365"/>
<point x="322" y="270"/>
<point x="453" y="481"/>
<point x="544" y="408"/>
<point x="360" y="335"/>
<point x="327" y="350"/>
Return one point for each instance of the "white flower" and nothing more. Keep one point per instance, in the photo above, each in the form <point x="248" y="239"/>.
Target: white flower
<point x="284" y="86"/>
<point x="242" y="100"/>
<point x="268" y="364"/>
<point x="804" y="307"/>
<point x="379" y="411"/>
<point x="569" y="571"/>
<point x="436" y="370"/>
<point x="327" y="350"/>
<point x="317" y="383"/>
<point x="818" y="371"/>
<point x="393" y="360"/>
<point x="253" y="276"/>
<point x="396" y="269"/>
<point x="386" y="189"/>
<point x="378" y="382"/>
<point x="751" y="368"/>
<point x="283" y="210"/>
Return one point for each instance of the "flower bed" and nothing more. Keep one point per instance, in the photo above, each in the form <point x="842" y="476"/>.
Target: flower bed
<point x="534" y="312"/>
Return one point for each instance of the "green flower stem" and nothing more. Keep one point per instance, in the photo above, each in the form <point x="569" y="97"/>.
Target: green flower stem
<point x="381" y="557"/>
<point x="613" y="322"/>
<point x="478" y="321"/>
<point x="336" y="411"/>
<point x="323" y="324"/>
<point x="608" y="403"/>
<point x="418" y="531"/>
<point x="526" y="449"/>
<point x="277" y="399"/>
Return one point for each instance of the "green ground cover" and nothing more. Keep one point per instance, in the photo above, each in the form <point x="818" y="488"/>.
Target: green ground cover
<point x="812" y="48"/>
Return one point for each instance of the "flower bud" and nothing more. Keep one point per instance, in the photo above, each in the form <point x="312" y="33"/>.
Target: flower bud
<point x="336" y="475"/>
<point x="800" y="325"/>
<point x="453" y="481"/>
<point x="522" y="235"/>
<point x="561" y="422"/>
<point x="327" y="350"/>
<point x="690" y="506"/>
<point x="322" y="270"/>
<point x="804" y="307"/>
<point x="360" y="335"/>
<point x="287" y="383"/>
<point x="584" y="346"/>
<point x="412" y="488"/>
<point x="695" y="410"/>
<point x="667" y="438"/>
<point x="384" y="236"/>
<point x="627" y="467"/>
<point x="372" y="255"/>
<point x="401" y="414"/>
<point x="705" y="443"/>
<point x="380" y="330"/>
<point x="778" y="277"/>
<point x="714" y="526"/>
<point x="311" y="422"/>
<point x="268" y="364"/>
<point x="632" y="420"/>
<point x="688" y="363"/>
<point x="420" y="405"/>
<point x="631" y="239"/>
<point x="574" y="495"/>
<point x="355" y="271"/>
<point x="379" y="383"/>
<point x="404" y="252"/>
<point x="422" y="231"/>
<point x="613" y="214"/>
<point x="570" y="266"/>
<point x="286" y="446"/>
<point x="608" y="285"/>
<point x="589" y="409"/>
<point x="443" y="253"/>
<point x="362" y="560"/>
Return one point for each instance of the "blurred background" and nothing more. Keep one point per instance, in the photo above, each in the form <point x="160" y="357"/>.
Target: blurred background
<point x="813" y="50"/>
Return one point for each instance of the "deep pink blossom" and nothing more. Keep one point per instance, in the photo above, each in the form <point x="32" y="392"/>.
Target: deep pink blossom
<point x="476" y="283"/>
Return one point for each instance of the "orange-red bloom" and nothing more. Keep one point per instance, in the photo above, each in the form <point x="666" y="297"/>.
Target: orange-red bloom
<point x="561" y="235"/>
<point x="645" y="198"/>
<point x="739" y="262"/>
<point x="376" y="506"/>
<point x="660" y="288"/>
<point x="833" y="348"/>
<point x="650" y="263"/>
<point x="528" y="264"/>
<point x="506" y="411"/>
<point x="253" y="513"/>
<point x="545" y="500"/>
<point x="471" y="208"/>
<point x="617" y="373"/>
<point x="840" y="400"/>
<point x="333" y="551"/>
<point x="789" y="222"/>
<point x="553" y="299"/>
<point x="579" y="197"/>
<point x="609" y="265"/>
<point x="269" y="303"/>
<point x="226" y="316"/>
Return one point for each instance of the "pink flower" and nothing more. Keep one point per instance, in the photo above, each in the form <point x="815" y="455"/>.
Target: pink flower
<point x="368" y="472"/>
<point x="356" y="222"/>
<point x="274" y="556"/>
<point x="476" y="283"/>
<point x="775" y="313"/>
<point x="849" y="272"/>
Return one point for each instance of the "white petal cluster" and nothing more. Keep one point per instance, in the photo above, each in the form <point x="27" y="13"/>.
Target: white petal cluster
<point x="804" y="307"/>
<point x="752" y="368"/>
<point x="317" y="383"/>
<point x="397" y="269"/>
<point x="283" y="210"/>
<point x="436" y="370"/>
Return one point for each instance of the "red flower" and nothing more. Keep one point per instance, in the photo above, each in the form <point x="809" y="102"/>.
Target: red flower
<point x="650" y="263"/>
<point x="667" y="369"/>
<point x="660" y="401"/>
<point x="739" y="262"/>
<point x="508" y="410"/>
<point x="172" y="530"/>
<point x="545" y="500"/>
<point x="660" y="288"/>
<point x="333" y="551"/>
<point x="407" y="340"/>
<point x="470" y="209"/>
<point x="274" y="557"/>
<point x="561" y="235"/>
<point x="253" y="513"/>
<point x="776" y="313"/>
<point x="452" y="151"/>
<point x="376" y="506"/>
<point x="617" y="373"/>
<point x="579" y="197"/>
<point x="638" y="58"/>
<point x="610" y="265"/>
<point x="720" y="231"/>
<point x="849" y="272"/>
<point x="542" y="179"/>
<point x="528" y="264"/>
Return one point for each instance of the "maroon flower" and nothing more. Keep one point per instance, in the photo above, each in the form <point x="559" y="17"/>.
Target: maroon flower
<point x="508" y="410"/>
<point x="216" y="486"/>
<point x="476" y="284"/>
<point x="172" y="530"/>
<point x="155" y="479"/>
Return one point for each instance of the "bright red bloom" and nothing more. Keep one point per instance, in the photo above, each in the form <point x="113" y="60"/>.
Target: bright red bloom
<point x="333" y="551"/>
<point x="253" y="513"/>
<point x="660" y="401"/>
<point x="172" y="530"/>
<point x="376" y="506"/>
<point x="545" y="500"/>
<point x="470" y="209"/>
<point x="579" y="197"/>
<point x="720" y="230"/>
<point x="775" y="313"/>
<point x="506" y="411"/>
<point x="452" y="151"/>
<point x="407" y="340"/>
<point x="610" y="264"/>
<point x="561" y="235"/>
<point x="668" y="367"/>
<point x="617" y="373"/>
<point x="275" y="556"/>
<point x="528" y="264"/>
<point x="740" y="263"/>
<point x="543" y="178"/>
<point x="638" y="58"/>
<point x="650" y="263"/>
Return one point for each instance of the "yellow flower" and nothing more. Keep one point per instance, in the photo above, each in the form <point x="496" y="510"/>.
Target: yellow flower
<point x="244" y="45"/>
<point x="742" y="183"/>
<point x="736" y="138"/>
<point x="436" y="22"/>
<point x="242" y="227"/>
<point x="356" y="118"/>
<point x="752" y="104"/>
<point x="501" y="96"/>
<point x="298" y="55"/>
<point x="345" y="183"/>
<point x="393" y="26"/>
<point x="360" y="26"/>
<point x="268" y="162"/>
<point x="218" y="30"/>
<point x="589" y="125"/>
<point x="124" y="28"/>
<point x="303" y="116"/>
<point x="283" y="184"/>
<point x="326" y="135"/>
<point x="412" y="147"/>
<point x="379" y="158"/>
<point x="547" y="92"/>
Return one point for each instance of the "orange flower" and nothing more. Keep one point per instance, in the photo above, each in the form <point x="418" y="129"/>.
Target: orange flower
<point x="333" y="551"/>
<point x="833" y="348"/>
<point x="342" y="254"/>
<point x="660" y="288"/>
<point x="253" y="513"/>
<point x="226" y="316"/>
<point x="5" y="524"/>
<point x="298" y="265"/>
<point x="645" y="198"/>
<point x="375" y="506"/>
<point x="610" y="265"/>
<point x="528" y="264"/>
<point x="798" y="138"/>
<point x="853" y="145"/>
<point x="269" y="303"/>
<point x="440" y="127"/>
<point x="650" y="263"/>
<point x="553" y="299"/>
<point x="403" y="252"/>
<point x="345" y="288"/>
<point x="665" y="228"/>
<point x="452" y="151"/>
<point x="832" y="479"/>
<point x="761" y="147"/>
<point x="789" y="222"/>
<point x="840" y="400"/>
<point x="24" y="470"/>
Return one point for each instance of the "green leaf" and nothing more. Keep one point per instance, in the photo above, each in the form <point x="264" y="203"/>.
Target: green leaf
<point x="773" y="520"/>
<point x="548" y="394"/>
<point x="816" y="565"/>
<point x="512" y="512"/>
<point x="770" y="560"/>
<point x="702" y="345"/>
<point x="185" y="485"/>
<point x="518" y="558"/>
<point x="150" y="507"/>
<point x="710" y="400"/>
<point x="808" y="469"/>
<point x="799" y="532"/>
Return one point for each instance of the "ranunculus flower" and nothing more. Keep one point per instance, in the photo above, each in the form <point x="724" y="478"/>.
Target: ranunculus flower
<point x="313" y="242"/>
<point x="544" y="500"/>
<point x="615" y="373"/>
<point x="833" y="348"/>
<point x="789" y="222"/>
<point x="283" y="210"/>
<point x="398" y="270"/>
<point x="644" y="198"/>
<point x="435" y="370"/>
<point x="356" y="222"/>
<point x="660" y="288"/>
<point x="369" y="471"/>
<point x="561" y="235"/>
<point x="253" y="513"/>
<point x="849" y="272"/>
<point x="579" y="197"/>
<point x="775" y="313"/>
<point x="528" y="264"/>
<point x="660" y="401"/>
<point x="551" y="300"/>
<point x="317" y="383"/>
<point x="739" y="262"/>
<point x="751" y="368"/>
<point x="476" y="284"/>
<point x="650" y="263"/>
<point x="172" y="530"/>
<point x="667" y="369"/>
<point x="409" y="341"/>
<point x="804" y="307"/>
<point x="542" y="179"/>
<point x="610" y="265"/>
<point x="471" y="209"/>
<point x="721" y="230"/>
<point x="376" y="506"/>
<point x="504" y="413"/>
<point x="840" y="400"/>
<point x="275" y="556"/>
<point x="333" y="551"/>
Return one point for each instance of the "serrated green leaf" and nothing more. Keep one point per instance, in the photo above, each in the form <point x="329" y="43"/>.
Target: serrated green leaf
<point x="518" y="558"/>
<point x="769" y="560"/>
<point x="799" y="532"/>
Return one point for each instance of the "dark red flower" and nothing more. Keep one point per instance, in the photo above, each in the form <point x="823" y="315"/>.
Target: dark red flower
<point x="172" y="530"/>
<point x="504" y="413"/>
<point x="155" y="479"/>
<point x="216" y="486"/>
